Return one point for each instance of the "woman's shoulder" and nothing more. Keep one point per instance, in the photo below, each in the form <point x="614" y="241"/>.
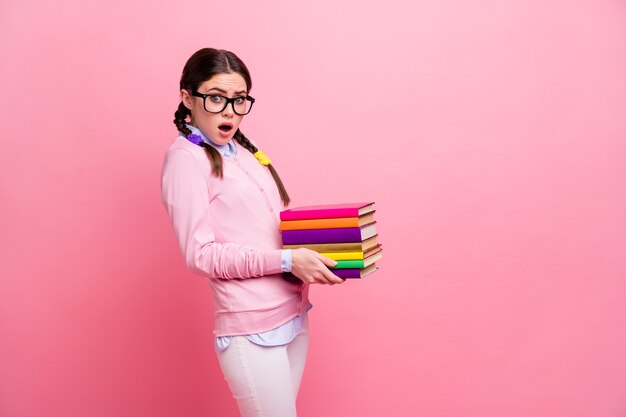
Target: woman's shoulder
<point x="182" y="144"/>
<point x="183" y="155"/>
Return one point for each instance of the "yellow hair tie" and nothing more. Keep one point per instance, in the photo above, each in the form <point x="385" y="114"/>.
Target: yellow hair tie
<point x="263" y="159"/>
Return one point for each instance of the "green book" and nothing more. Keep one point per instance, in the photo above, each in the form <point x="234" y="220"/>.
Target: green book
<point x="358" y="263"/>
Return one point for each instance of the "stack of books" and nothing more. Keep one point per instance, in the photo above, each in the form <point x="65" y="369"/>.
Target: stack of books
<point x="343" y="232"/>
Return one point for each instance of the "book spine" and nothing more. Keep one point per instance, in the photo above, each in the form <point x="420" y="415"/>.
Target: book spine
<point x="343" y="256"/>
<point x="294" y="237"/>
<point x="319" y="223"/>
<point x="347" y="273"/>
<point x="348" y="264"/>
<point x="319" y="214"/>
<point x="329" y="247"/>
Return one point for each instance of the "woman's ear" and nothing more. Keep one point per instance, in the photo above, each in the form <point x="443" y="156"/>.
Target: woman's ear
<point x="186" y="99"/>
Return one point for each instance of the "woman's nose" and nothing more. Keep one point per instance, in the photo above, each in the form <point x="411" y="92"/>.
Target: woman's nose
<point x="229" y="110"/>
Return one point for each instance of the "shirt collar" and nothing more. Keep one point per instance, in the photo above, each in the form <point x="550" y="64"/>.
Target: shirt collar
<point x="228" y="150"/>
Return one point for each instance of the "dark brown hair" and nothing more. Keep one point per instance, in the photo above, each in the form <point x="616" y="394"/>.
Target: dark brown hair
<point x="200" y="67"/>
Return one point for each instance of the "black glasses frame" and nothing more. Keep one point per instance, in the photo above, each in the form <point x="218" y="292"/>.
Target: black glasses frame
<point x="228" y="101"/>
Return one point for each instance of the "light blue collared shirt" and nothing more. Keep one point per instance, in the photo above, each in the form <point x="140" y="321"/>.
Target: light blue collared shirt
<point x="286" y="332"/>
<point x="229" y="150"/>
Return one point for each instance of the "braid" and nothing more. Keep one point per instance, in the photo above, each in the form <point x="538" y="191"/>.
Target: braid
<point x="215" y="158"/>
<point x="245" y="142"/>
<point x="180" y="117"/>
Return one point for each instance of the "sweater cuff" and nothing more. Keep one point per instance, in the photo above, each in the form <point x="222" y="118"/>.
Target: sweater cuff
<point x="273" y="261"/>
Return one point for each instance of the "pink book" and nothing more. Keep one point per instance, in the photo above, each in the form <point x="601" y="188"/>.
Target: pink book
<point x="327" y="211"/>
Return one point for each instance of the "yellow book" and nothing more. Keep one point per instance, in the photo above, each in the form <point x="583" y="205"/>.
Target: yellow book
<point x="343" y="256"/>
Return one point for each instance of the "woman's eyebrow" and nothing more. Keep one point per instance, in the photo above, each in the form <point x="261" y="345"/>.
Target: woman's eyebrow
<point x="226" y="92"/>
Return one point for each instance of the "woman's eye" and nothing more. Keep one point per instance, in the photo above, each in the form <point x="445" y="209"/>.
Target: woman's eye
<point x="216" y="99"/>
<point x="240" y="100"/>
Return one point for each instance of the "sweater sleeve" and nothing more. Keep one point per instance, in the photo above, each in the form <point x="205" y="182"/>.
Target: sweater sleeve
<point x="185" y="197"/>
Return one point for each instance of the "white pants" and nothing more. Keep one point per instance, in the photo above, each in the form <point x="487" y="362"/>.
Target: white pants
<point x="265" y="380"/>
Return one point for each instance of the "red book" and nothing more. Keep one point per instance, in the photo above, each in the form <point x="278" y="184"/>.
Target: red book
<point x="327" y="211"/>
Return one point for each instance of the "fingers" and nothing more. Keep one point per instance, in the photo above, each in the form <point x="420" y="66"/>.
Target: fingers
<point x="323" y="275"/>
<point x="327" y="261"/>
<point x="314" y="268"/>
<point x="328" y="274"/>
<point x="332" y="278"/>
<point x="329" y="277"/>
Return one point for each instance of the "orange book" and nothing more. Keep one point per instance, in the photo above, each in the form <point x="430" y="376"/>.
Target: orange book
<point x="327" y="223"/>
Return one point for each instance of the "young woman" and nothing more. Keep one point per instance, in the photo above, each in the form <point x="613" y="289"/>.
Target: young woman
<point x="224" y="198"/>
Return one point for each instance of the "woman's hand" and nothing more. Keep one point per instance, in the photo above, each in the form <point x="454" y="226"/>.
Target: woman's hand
<point x="312" y="268"/>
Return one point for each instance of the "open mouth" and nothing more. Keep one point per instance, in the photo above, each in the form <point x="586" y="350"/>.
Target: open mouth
<point x="225" y="127"/>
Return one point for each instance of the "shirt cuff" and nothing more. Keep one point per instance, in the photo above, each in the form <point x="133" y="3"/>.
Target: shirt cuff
<point x="285" y="258"/>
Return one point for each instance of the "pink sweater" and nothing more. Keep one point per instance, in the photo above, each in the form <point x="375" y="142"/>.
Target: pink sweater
<point x="228" y="231"/>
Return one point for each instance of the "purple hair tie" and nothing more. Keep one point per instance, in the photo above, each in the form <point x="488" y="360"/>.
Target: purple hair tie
<point x="193" y="138"/>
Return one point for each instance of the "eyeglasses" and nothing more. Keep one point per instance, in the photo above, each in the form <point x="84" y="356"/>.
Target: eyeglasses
<point x="217" y="103"/>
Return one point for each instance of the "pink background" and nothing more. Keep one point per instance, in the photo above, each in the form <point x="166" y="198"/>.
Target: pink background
<point x="490" y="134"/>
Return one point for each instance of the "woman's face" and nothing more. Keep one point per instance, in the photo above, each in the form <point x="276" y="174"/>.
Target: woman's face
<point x="219" y="127"/>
